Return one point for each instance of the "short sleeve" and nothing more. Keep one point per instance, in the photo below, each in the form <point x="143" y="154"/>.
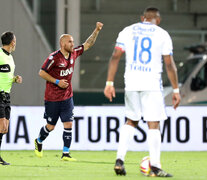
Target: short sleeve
<point x="78" y="51"/>
<point x="48" y="64"/>
<point x="120" y="41"/>
<point x="167" y="45"/>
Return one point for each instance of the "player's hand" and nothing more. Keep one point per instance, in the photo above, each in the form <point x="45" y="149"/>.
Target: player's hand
<point x="63" y="83"/>
<point x="176" y="100"/>
<point x="109" y="92"/>
<point x="99" y="26"/>
<point x="18" y="79"/>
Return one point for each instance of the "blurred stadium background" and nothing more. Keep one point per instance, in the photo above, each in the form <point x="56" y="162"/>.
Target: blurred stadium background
<point x="39" y="23"/>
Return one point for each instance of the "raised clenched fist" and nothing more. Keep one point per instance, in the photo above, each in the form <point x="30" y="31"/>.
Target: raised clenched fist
<point x="99" y="26"/>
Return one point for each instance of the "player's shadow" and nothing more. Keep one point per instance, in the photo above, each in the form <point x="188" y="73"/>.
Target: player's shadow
<point x="38" y="166"/>
<point x="58" y="166"/>
<point x="95" y="162"/>
<point x="99" y="162"/>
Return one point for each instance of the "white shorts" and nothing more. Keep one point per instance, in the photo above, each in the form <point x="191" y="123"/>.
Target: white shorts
<point x="147" y="104"/>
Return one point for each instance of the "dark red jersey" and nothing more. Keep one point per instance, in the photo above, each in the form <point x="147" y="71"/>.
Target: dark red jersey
<point x="60" y="68"/>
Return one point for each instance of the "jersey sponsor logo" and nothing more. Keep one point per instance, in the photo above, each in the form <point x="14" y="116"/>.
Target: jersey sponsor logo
<point x="136" y="67"/>
<point x="61" y="65"/>
<point x="143" y="29"/>
<point x="5" y="68"/>
<point x="66" y="72"/>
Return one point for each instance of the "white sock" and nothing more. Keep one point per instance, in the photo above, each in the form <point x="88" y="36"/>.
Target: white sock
<point x="154" y="143"/>
<point x="126" y="134"/>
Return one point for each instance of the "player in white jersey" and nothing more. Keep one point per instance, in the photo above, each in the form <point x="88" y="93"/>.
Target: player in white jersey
<point x="145" y="45"/>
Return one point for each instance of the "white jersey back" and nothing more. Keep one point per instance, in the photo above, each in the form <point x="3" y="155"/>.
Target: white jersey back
<point x="144" y="44"/>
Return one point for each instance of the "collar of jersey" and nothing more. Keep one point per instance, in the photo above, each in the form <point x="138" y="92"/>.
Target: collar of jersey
<point x="64" y="56"/>
<point x="147" y="22"/>
<point x="6" y="52"/>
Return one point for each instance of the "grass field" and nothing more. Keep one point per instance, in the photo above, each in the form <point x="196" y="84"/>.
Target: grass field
<point x="95" y="165"/>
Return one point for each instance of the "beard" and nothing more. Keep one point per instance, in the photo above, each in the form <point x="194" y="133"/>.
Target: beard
<point x="69" y="50"/>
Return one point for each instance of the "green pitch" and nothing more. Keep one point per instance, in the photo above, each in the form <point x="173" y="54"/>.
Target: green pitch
<point x="98" y="165"/>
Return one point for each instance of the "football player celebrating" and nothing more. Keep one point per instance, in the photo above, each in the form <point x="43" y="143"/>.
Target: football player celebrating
<point x="57" y="70"/>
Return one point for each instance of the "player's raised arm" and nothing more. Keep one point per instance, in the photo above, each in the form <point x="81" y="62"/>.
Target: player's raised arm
<point x="92" y="38"/>
<point x="109" y="90"/>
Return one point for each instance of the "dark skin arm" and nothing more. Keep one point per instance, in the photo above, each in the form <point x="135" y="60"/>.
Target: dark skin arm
<point x="109" y="90"/>
<point x="172" y="75"/>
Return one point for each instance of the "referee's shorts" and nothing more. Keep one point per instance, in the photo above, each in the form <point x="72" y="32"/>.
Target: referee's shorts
<point x="5" y="108"/>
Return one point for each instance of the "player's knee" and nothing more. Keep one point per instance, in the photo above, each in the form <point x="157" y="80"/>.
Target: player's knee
<point x="153" y="124"/>
<point x="132" y="123"/>
<point x="5" y="131"/>
<point x="68" y="124"/>
<point x="50" y="127"/>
